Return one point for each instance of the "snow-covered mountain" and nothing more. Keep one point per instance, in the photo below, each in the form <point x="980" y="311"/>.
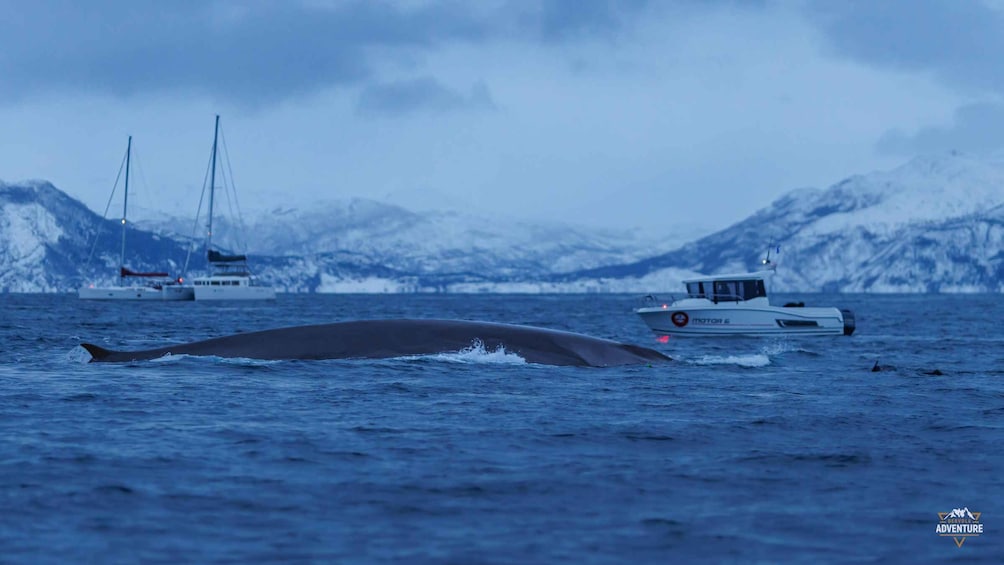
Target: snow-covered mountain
<point x="426" y="243"/>
<point x="46" y="242"/>
<point x="355" y="245"/>
<point x="935" y="224"/>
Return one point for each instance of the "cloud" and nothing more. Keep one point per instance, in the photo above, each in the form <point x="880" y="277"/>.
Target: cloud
<point x="418" y="95"/>
<point x="959" y="42"/>
<point x="559" y="20"/>
<point x="260" y="53"/>
<point x="977" y="128"/>
<point x="247" y="53"/>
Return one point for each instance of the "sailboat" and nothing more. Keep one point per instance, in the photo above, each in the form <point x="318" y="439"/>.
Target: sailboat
<point x="136" y="285"/>
<point x="229" y="277"/>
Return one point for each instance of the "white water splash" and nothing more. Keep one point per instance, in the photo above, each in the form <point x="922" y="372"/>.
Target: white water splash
<point x="170" y="358"/>
<point x="751" y="360"/>
<point x="478" y="353"/>
<point x="777" y="347"/>
<point x="78" y="355"/>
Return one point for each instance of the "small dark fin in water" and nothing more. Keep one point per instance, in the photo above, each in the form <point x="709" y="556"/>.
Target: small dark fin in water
<point x="934" y="373"/>
<point x="876" y="368"/>
<point x="97" y="353"/>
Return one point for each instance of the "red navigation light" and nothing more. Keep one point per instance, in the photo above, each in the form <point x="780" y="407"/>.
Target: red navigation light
<point x="663" y="339"/>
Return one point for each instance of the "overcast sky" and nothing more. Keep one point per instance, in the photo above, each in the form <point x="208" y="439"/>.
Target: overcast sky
<point x="623" y="114"/>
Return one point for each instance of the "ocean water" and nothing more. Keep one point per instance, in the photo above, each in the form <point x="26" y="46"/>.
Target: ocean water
<point x="741" y="450"/>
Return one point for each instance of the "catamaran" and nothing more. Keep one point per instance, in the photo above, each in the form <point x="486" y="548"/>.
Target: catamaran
<point x="135" y="285"/>
<point x="229" y="276"/>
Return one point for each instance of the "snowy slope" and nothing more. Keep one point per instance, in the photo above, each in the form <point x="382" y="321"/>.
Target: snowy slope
<point x="356" y="245"/>
<point x="46" y="242"/>
<point x="934" y="224"/>
<point x="430" y="242"/>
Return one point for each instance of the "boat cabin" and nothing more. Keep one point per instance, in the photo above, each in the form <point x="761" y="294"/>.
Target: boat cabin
<point x="222" y="281"/>
<point x="727" y="288"/>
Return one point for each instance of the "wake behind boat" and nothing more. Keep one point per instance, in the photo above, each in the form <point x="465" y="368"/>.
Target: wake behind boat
<point x="737" y="304"/>
<point x="135" y="285"/>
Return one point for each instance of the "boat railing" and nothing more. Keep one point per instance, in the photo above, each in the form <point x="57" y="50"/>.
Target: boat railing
<point x="231" y="269"/>
<point x="650" y="300"/>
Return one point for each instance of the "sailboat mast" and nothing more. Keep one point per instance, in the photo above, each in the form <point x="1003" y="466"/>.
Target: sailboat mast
<point x="125" y="206"/>
<point x="212" y="185"/>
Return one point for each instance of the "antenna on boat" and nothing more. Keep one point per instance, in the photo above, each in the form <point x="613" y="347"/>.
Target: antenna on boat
<point x="766" y="261"/>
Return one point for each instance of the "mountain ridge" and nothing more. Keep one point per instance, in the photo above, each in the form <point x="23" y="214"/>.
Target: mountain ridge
<point x="831" y="241"/>
<point x="934" y="224"/>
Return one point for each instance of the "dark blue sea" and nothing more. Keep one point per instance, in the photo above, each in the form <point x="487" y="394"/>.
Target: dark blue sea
<point x="742" y="450"/>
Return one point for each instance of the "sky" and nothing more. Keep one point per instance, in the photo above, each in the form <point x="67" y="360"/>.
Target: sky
<point x="630" y="114"/>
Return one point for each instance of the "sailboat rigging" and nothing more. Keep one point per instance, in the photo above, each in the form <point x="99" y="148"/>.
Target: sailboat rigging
<point x="154" y="285"/>
<point x="229" y="277"/>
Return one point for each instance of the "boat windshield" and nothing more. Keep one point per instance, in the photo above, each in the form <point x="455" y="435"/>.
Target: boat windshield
<point x="727" y="290"/>
<point x="695" y="290"/>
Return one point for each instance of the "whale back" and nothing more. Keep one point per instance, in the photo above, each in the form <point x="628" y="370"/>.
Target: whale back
<point x="379" y="339"/>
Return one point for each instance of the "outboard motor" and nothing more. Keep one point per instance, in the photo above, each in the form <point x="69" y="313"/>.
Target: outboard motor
<point x="848" y="321"/>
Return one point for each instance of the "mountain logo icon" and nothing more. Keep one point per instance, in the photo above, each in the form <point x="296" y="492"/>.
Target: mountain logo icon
<point x="961" y="513"/>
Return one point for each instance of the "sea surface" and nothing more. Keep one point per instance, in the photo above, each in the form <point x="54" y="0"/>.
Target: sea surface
<point x="742" y="450"/>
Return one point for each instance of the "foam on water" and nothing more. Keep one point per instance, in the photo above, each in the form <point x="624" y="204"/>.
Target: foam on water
<point x="762" y="357"/>
<point x="751" y="360"/>
<point x="777" y="347"/>
<point x="239" y="361"/>
<point x="78" y="355"/>
<point x="477" y="353"/>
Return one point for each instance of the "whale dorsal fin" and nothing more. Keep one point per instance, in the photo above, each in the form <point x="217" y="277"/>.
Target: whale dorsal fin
<point x="97" y="353"/>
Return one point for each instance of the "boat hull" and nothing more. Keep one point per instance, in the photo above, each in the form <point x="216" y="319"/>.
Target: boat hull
<point x="166" y="293"/>
<point x="231" y="287"/>
<point x="723" y="320"/>
<point x="234" y="293"/>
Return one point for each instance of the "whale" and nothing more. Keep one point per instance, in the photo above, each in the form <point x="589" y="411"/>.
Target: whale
<point x="382" y="339"/>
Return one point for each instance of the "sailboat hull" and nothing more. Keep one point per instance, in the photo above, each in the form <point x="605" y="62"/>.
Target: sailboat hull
<point x="231" y="288"/>
<point x="248" y="293"/>
<point x="167" y="293"/>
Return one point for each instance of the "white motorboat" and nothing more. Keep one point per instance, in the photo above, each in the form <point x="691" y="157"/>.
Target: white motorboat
<point x="724" y="305"/>
<point x="229" y="276"/>
<point x="135" y="285"/>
